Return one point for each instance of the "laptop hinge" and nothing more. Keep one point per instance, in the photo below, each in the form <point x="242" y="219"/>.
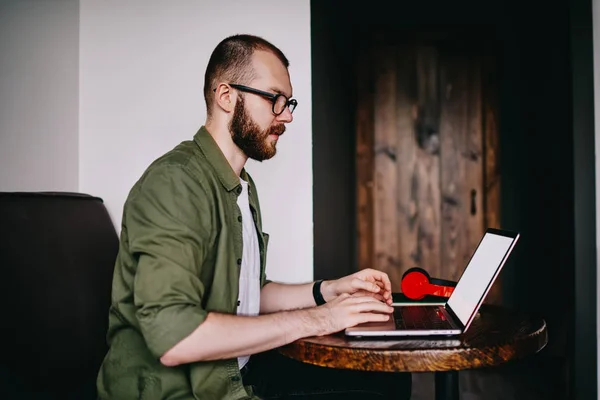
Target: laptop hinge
<point x="454" y="318"/>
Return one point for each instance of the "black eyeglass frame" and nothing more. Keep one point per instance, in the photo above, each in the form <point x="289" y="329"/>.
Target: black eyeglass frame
<point x="289" y="103"/>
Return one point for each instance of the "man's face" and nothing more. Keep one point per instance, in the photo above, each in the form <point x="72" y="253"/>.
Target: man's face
<point x="254" y="127"/>
<point x="258" y="144"/>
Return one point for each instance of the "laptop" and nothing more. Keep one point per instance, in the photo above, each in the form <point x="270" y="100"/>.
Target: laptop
<point x="454" y="316"/>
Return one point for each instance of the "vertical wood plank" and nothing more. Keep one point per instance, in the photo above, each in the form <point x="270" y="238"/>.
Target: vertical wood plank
<point x="364" y="160"/>
<point x="406" y="198"/>
<point x="461" y="162"/>
<point x="424" y="177"/>
<point x="386" y="139"/>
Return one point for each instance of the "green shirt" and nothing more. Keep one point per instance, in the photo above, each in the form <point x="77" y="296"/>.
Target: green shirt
<point x="179" y="258"/>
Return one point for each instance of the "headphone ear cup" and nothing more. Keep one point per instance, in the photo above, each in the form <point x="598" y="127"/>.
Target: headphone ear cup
<point x="416" y="269"/>
<point x="414" y="283"/>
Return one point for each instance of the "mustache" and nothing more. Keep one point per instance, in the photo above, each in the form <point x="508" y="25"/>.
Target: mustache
<point x="276" y="130"/>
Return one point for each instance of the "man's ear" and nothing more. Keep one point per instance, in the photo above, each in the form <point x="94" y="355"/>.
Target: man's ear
<point x="225" y="97"/>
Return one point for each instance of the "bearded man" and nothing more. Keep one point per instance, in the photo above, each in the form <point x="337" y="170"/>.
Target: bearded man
<point x="193" y="315"/>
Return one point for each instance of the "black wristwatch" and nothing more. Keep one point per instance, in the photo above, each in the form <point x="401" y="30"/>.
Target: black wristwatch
<point x="317" y="293"/>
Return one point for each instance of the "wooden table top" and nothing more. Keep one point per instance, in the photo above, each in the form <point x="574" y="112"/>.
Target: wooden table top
<point x="497" y="335"/>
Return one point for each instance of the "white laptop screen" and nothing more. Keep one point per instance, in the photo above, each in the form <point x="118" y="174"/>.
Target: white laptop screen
<point x="478" y="274"/>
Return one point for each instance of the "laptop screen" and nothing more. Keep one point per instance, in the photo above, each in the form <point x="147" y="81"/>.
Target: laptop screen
<point x="479" y="274"/>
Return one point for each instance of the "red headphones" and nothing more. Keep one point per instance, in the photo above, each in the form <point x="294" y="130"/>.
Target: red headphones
<point x="416" y="284"/>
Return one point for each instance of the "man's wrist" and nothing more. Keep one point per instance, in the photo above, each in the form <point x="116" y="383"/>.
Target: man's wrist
<point x="317" y="293"/>
<point x="327" y="290"/>
<point x="318" y="321"/>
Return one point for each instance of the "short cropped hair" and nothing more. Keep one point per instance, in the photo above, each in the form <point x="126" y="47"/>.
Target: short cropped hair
<point x="231" y="61"/>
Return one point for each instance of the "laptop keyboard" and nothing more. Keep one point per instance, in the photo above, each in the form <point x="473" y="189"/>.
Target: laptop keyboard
<point x="417" y="317"/>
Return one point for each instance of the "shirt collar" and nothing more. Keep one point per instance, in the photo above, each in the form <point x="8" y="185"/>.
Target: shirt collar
<point x="217" y="159"/>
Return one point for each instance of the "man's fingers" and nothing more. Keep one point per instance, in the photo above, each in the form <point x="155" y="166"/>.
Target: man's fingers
<point x="373" y="317"/>
<point x="374" y="281"/>
<point x="382" y="277"/>
<point x="387" y="284"/>
<point x="366" y="297"/>
<point x="387" y="294"/>
<point x="366" y="285"/>
<point x="373" y="306"/>
<point x="376" y="296"/>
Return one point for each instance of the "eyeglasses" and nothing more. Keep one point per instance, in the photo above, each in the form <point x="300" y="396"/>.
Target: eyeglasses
<point x="280" y="101"/>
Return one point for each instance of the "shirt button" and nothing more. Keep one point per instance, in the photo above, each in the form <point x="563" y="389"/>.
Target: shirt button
<point x="238" y="303"/>
<point x="239" y="261"/>
<point x="239" y="190"/>
<point x="240" y="218"/>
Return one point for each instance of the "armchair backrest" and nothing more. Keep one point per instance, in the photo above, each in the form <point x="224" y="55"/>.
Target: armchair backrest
<point x="57" y="254"/>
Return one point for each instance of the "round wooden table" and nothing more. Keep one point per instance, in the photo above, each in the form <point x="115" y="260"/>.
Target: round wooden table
<point x="497" y="335"/>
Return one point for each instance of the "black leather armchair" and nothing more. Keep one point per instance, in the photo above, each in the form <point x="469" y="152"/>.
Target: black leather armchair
<point x="57" y="253"/>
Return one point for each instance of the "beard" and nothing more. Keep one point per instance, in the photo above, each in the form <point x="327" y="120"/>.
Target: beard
<point x="248" y="136"/>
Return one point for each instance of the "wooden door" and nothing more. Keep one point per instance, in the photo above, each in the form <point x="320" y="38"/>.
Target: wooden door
<point x="427" y="174"/>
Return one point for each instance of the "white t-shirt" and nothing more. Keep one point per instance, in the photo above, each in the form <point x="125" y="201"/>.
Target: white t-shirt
<point x="249" y="298"/>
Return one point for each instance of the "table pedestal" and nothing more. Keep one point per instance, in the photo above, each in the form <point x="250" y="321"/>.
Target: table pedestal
<point x="446" y="385"/>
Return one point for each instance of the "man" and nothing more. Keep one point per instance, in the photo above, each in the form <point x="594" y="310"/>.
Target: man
<point x="190" y="300"/>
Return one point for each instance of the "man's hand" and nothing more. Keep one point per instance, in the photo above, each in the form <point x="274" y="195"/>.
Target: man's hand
<point x="367" y="282"/>
<point x="349" y="310"/>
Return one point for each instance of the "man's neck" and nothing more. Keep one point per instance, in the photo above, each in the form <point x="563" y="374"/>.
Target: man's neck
<point x="236" y="157"/>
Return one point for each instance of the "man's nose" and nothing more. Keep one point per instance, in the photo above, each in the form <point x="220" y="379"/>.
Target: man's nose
<point x="286" y="116"/>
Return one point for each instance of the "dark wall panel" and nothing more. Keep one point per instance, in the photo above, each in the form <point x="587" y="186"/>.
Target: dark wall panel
<point x="545" y="75"/>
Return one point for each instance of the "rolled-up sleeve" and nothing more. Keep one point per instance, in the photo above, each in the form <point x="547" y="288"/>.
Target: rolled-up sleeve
<point x="168" y="223"/>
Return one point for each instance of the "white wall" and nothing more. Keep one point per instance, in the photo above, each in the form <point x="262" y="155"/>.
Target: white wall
<point x="142" y="65"/>
<point x="39" y="95"/>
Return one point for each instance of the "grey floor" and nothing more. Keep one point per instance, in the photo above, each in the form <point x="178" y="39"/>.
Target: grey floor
<point x="519" y="380"/>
